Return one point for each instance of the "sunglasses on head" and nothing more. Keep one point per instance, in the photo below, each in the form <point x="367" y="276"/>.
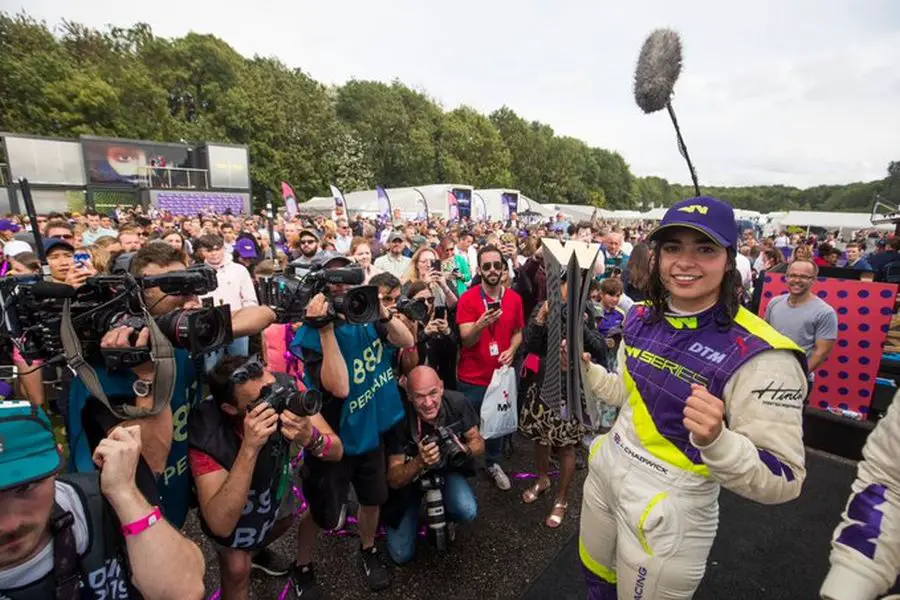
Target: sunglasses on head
<point x="496" y="266"/>
<point x="251" y="369"/>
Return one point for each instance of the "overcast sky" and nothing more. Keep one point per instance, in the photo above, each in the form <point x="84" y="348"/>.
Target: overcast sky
<point x="799" y="92"/>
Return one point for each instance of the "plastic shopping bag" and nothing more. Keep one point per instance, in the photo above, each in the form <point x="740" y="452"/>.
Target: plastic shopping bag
<point x="499" y="416"/>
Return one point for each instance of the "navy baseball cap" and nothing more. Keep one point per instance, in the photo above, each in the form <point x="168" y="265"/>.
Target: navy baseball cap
<point x="28" y="449"/>
<point x="54" y="242"/>
<point x="710" y="216"/>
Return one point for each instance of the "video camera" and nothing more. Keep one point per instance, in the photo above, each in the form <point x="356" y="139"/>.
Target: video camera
<point x="31" y="314"/>
<point x="288" y="295"/>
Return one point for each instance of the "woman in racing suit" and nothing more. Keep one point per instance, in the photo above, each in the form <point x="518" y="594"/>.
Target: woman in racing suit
<point x="865" y="549"/>
<point x="711" y="395"/>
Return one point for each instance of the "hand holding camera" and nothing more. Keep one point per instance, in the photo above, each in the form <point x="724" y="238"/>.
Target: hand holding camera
<point x="430" y="453"/>
<point x="117" y="456"/>
<point x="123" y="338"/>
<point x="296" y="428"/>
<point x="317" y="307"/>
<point x="259" y="424"/>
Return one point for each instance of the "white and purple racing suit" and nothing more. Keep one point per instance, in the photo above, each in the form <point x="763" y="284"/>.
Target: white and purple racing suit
<point x="865" y="549"/>
<point x="650" y="508"/>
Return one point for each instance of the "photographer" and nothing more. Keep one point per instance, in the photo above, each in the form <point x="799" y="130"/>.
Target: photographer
<point x="162" y="473"/>
<point x="412" y="451"/>
<point x="87" y="535"/>
<point x="241" y="457"/>
<point x="349" y="363"/>
<point x="389" y="292"/>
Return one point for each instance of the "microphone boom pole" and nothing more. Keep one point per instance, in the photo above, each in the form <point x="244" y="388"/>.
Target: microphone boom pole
<point x="35" y="230"/>
<point x="682" y="148"/>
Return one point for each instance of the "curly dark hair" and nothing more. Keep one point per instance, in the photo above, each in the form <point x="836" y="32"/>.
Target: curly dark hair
<point x="729" y="292"/>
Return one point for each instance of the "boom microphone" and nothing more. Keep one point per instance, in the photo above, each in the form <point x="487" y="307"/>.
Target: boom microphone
<point x="658" y="68"/>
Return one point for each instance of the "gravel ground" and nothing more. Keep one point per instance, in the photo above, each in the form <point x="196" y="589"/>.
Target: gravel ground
<point x="497" y="556"/>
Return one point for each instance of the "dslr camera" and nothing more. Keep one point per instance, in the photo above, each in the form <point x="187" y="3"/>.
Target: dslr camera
<point x="288" y="295"/>
<point x="414" y="310"/>
<point x="31" y="314"/>
<point x="446" y="440"/>
<point x="284" y="395"/>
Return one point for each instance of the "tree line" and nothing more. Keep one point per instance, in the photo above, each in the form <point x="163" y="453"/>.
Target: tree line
<point x="129" y="83"/>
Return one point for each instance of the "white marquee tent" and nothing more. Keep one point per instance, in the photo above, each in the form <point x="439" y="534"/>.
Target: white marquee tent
<point x="829" y="220"/>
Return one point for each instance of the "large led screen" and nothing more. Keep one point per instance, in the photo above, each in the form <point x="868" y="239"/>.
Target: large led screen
<point x="42" y="161"/>
<point x="228" y="167"/>
<point x="127" y="162"/>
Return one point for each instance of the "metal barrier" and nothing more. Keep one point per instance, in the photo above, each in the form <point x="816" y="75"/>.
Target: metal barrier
<point x="173" y="178"/>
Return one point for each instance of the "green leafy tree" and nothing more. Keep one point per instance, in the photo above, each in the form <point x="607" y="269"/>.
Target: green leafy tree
<point x="472" y="150"/>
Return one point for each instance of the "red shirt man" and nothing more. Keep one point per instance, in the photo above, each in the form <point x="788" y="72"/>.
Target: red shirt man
<point x="492" y="333"/>
<point x="490" y="320"/>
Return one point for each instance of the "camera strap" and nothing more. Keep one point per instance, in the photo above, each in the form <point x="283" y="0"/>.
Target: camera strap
<point x="162" y="354"/>
<point x="65" y="555"/>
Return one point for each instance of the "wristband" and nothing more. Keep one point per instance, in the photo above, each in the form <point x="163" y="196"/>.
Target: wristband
<point x="316" y="442"/>
<point x="141" y="525"/>
<point x="327" y="449"/>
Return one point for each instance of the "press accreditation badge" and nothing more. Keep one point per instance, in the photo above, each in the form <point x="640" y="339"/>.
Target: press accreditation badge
<point x="494" y="349"/>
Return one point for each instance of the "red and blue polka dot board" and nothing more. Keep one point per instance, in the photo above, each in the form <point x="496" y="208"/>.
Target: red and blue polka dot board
<point x="846" y="381"/>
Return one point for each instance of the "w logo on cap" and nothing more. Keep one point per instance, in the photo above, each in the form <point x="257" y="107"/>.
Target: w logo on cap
<point x="695" y="208"/>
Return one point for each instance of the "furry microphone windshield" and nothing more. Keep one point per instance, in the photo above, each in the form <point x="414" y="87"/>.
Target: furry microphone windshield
<point x="658" y="68"/>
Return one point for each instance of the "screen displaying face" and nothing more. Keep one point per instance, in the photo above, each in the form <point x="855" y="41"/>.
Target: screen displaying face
<point x="464" y="200"/>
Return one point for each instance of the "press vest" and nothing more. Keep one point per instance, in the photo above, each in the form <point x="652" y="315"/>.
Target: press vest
<point x="103" y="569"/>
<point x="664" y="358"/>
<point x="174" y="484"/>
<point x="212" y="432"/>
<point x="373" y="405"/>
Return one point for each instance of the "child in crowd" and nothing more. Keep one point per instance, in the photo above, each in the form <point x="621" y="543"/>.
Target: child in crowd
<point x="611" y="317"/>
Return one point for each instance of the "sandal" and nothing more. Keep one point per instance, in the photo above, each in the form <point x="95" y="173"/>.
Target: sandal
<point x="534" y="492"/>
<point x="556" y="515"/>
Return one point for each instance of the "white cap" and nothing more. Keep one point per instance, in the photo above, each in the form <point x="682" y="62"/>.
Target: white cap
<point x="16" y="247"/>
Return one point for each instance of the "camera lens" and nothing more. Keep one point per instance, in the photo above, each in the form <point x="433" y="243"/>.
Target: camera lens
<point x="359" y="305"/>
<point x="306" y="404"/>
<point x="197" y="328"/>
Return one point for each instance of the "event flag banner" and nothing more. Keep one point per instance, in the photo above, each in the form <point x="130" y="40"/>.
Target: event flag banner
<point x="340" y="205"/>
<point x="452" y="207"/>
<point x="290" y="199"/>
<point x="384" y="204"/>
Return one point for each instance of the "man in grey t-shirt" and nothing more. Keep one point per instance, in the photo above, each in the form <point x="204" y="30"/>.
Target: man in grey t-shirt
<point x="804" y="317"/>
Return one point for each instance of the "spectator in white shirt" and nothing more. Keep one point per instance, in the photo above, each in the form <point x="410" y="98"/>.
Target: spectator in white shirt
<point x="394" y="262"/>
<point x="466" y="249"/>
<point x="344" y="237"/>
<point x="235" y="289"/>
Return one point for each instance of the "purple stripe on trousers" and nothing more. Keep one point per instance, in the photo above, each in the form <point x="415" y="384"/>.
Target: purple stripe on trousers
<point x="864" y="533"/>
<point x="776" y="466"/>
<point x="598" y="588"/>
